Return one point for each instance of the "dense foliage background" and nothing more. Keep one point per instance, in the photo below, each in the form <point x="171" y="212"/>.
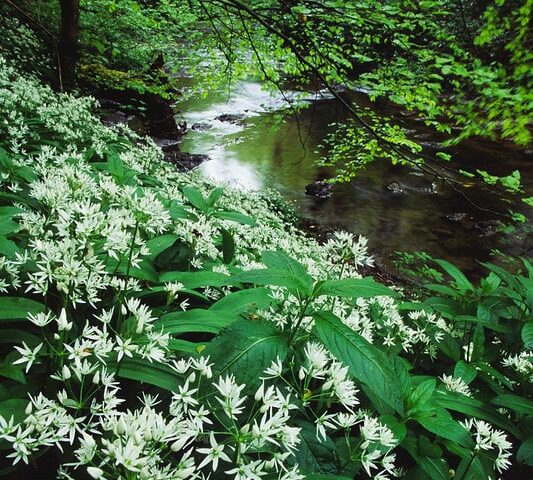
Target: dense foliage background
<point x="154" y="326"/>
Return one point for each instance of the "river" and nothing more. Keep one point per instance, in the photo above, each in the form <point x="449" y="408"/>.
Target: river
<point x="257" y="152"/>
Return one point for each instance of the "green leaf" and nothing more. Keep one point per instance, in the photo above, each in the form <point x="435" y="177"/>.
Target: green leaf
<point x="525" y="453"/>
<point x="465" y="371"/>
<point x="445" y="306"/>
<point x="14" y="407"/>
<point x="244" y="300"/>
<point x="461" y="281"/>
<point x="325" y="476"/>
<point x="202" y="278"/>
<point x="367" y="363"/>
<point x="514" y="402"/>
<point x="527" y="335"/>
<point x="270" y="276"/>
<point x="8" y="248"/>
<point x="8" y="226"/>
<point x="313" y="454"/>
<point x="422" y="393"/>
<point x="18" y="336"/>
<point x="354" y="288"/>
<point x="196" y="320"/>
<point x="246" y="349"/>
<point x="195" y="197"/>
<point x="436" y="468"/>
<point x="214" y="196"/>
<point x="235" y="217"/>
<point x="474" y="408"/>
<point x="143" y="371"/>
<point x="280" y="261"/>
<point x="441" y="423"/>
<point x="159" y="244"/>
<point x="228" y="246"/>
<point x="9" y="370"/>
<point x="18" y="308"/>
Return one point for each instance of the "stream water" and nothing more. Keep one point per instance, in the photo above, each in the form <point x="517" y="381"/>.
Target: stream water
<point x="428" y="216"/>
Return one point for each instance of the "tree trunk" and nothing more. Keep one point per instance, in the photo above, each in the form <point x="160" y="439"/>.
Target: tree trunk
<point x="67" y="46"/>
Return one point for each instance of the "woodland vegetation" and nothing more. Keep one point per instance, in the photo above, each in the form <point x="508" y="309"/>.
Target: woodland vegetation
<point x="154" y="325"/>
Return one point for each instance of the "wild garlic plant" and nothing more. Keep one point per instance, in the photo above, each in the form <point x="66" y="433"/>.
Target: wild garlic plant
<point x="156" y="325"/>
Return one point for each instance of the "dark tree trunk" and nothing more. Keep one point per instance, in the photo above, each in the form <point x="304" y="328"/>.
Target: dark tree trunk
<point x="68" y="41"/>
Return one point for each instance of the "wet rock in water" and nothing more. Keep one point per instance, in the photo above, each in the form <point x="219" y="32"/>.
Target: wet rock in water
<point x="395" y="188"/>
<point x="201" y="126"/>
<point x="319" y="189"/>
<point x="236" y="118"/>
<point x="488" y="228"/>
<point x="116" y="117"/>
<point x="463" y="219"/>
<point x="185" y="161"/>
<point x="166" y="144"/>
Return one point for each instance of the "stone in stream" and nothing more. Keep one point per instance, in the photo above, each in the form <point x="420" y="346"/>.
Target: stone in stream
<point x="185" y="161"/>
<point x="319" y="189"/>
<point x="395" y="188"/>
<point x="201" y="126"/>
<point x="166" y="144"/>
<point x="236" y="118"/>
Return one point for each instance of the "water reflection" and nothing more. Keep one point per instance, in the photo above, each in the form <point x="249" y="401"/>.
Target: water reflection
<point x="257" y="153"/>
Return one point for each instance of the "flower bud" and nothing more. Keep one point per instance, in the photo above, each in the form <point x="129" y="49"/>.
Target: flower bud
<point x="121" y="426"/>
<point x="95" y="472"/>
<point x="65" y="373"/>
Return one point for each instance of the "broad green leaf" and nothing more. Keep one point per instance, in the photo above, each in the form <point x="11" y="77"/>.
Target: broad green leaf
<point x="8" y="248"/>
<point x="8" y="226"/>
<point x="159" y="244"/>
<point x="179" y="345"/>
<point x="445" y="306"/>
<point x="485" y="323"/>
<point x="465" y="371"/>
<point x="244" y="300"/>
<point x="474" y="408"/>
<point x="422" y="393"/>
<point x="235" y="217"/>
<point x="196" y="320"/>
<point x="18" y="336"/>
<point x="144" y="271"/>
<point x="436" y="468"/>
<point x="527" y="335"/>
<point x="461" y="281"/>
<point x="214" y="196"/>
<point x="14" y="407"/>
<point x="228" y="246"/>
<point x="514" y="402"/>
<point x="280" y="261"/>
<point x="198" y="279"/>
<point x="195" y="197"/>
<point x="353" y="288"/>
<point x="18" y="308"/>
<point x="143" y="371"/>
<point x="325" y="476"/>
<point x="270" y="276"/>
<point x="441" y="423"/>
<point x="366" y="363"/>
<point x="314" y="455"/>
<point x="246" y="349"/>
<point x="525" y="453"/>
